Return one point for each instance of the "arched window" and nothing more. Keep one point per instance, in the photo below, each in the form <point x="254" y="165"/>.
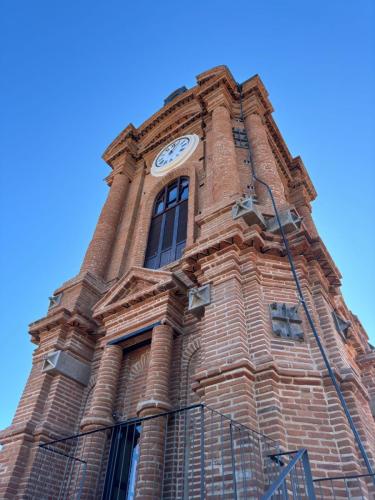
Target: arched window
<point x="167" y="236"/>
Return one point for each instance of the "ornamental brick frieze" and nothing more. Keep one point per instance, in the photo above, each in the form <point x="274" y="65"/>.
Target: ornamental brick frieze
<point x="226" y="265"/>
<point x="61" y="320"/>
<point x="221" y="239"/>
<point x="317" y="251"/>
<point x="135" y="287"/>
<point x="171" y="132"/>
<point x="128" y="134"/>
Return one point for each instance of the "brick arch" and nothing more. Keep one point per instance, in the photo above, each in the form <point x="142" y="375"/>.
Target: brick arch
<point x="139" y="366"/>
<point x="147" y="204"/>
<point x="191" y="352"/>
<point x="135" y="382"/>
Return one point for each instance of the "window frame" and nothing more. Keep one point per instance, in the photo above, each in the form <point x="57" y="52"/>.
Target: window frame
<point x="181" y="183"/>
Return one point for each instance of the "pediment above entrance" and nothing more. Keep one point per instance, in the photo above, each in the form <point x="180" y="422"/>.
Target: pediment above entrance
<point x="137" y="285"/>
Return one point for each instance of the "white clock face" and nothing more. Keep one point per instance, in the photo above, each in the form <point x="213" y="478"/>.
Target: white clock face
<point x="174" y="154"/>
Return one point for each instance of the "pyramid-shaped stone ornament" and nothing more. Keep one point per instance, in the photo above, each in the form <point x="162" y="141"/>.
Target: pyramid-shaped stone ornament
<point x="342" y="326"/>
<point x="199" y="298"/>
<point x="62" y="363"/>
<point x="54" y="300"/>
<point x="290" y="222"/>
<point x="249" y="211"/>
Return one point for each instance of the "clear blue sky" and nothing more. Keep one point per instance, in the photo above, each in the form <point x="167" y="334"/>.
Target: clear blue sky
<point x="75" y="73"/>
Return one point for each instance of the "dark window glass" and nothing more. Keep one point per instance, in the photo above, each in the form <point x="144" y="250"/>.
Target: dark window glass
<point x="167" y="241"/>
<point x="159" y="204"/>
<point x="122" y="463"/>
<point x="183" y="215"/>
<point x="184" y="193"/>
<point x="172" y="195"/>
<point x="154" y="236"/>
<point x="167" y="236"/>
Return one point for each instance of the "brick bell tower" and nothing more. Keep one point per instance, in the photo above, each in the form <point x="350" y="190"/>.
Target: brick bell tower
<point x="185" y="305"/>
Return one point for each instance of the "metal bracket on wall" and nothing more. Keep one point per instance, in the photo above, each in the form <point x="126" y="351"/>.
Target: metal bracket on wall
<point x="286" y="322"/>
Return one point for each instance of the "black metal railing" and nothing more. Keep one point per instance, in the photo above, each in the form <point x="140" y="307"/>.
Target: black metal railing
<point x="295" y="479"/>
<point x="189" y="453"/>
<point x="358" y="486"/>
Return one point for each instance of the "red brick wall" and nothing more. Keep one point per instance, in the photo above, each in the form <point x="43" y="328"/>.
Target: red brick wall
<point x="229" y="358"/>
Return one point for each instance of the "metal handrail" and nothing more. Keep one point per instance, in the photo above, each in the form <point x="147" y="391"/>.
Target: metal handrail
<point x="345" y="478"/>
<point x="301" y="456"/>
<point x="158" y="415"/>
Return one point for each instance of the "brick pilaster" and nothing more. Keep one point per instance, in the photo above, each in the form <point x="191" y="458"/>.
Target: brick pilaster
<point x="99" y="250"/>
<point x="150" y="468"/>
<point x="224" y="176"/>
<point x="157" y="386"/>
<point x="101" y="408"/>
<point x="225" y="381"/>
<point x="100" y="415"/>
<point x="300" y="200"/>
<point x="264" y="163"/>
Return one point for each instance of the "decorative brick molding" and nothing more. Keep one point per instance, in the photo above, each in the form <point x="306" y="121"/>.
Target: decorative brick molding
<point x="142" y="332"/>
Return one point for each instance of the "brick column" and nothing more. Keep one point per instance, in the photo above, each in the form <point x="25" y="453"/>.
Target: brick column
<point x="99" y="250"/>
<point x="150" y="468"/>
<point x="300" y="200"/>
<point x="225" y="376"/>
<point x="101" y="408"/>
<point x="96" y="445"/>
<point x="264" y="163"/>
<point x="225" y="178"/>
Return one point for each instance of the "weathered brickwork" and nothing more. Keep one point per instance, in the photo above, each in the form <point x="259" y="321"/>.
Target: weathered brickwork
<point x="148" y="353"/>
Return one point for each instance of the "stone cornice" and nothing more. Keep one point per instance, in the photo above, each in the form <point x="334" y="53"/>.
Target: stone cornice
<point x="171" y="133"/>
<point x="88" y="279"/>
<point x="214" y="87"/>
<point x="122" y="141"/>
<point x="297" y="166"/>
<point x="61" y="317"/>
<point x="137" y="285"/>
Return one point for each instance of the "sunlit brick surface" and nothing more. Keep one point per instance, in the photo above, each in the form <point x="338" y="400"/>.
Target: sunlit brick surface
<point x="148" y="354"/>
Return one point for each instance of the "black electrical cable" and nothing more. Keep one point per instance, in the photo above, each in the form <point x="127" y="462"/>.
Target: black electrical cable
<point x="308" y="315"/>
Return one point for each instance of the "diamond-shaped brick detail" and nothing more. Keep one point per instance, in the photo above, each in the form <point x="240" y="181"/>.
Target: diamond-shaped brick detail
<point x="290" y="222"/>
<point x="199" y="298"/>
<point x="247" y="208"/>
<point x="342" y="326"/>
<point x="286" y="322"/>
<point x="62" y="363"/>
